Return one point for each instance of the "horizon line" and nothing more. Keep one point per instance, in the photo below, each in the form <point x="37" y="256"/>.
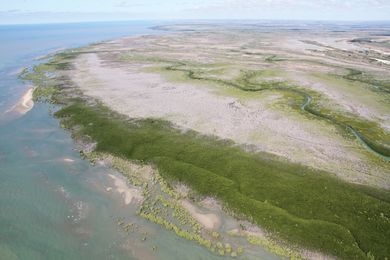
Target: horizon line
<point x="200" y="19"/>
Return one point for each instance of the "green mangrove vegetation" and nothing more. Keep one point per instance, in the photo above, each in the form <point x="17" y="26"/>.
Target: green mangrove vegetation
<point x="272" y="246"/>
<point x="42" y="76"/>
<point x="302" y="206"/>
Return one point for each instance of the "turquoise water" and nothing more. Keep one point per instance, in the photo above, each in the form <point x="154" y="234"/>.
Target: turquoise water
<point x="53" y="204"/>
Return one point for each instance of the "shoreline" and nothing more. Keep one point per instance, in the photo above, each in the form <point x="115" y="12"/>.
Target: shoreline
<point x="92" y="101"/>
<point x="136" y="189"/>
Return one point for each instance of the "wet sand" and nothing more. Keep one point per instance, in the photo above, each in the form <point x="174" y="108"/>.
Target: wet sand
<point x="129" y="195"/>
<point x="209" y="220"/>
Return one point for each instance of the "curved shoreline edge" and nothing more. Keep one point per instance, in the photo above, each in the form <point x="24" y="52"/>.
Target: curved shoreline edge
<point x="70" y="114"/>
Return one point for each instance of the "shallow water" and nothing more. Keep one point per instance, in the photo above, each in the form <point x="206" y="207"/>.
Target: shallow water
<point x="53" y="204"/>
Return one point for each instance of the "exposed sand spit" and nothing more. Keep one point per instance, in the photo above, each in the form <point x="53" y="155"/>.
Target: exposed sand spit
<point x="25" y="103"/>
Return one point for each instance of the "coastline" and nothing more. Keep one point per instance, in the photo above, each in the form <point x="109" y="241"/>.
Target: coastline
<point x="188" y="206"/>
<point x="25" y="102"/>
<point x="61" y="207"/>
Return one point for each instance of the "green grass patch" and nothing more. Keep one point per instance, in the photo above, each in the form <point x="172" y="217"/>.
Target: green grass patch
<point x="42" y="76"/>
<point x="381" y="86"/>
<point x="44" y="93"/>
<point x="273" y="58"/>
<point x="302" y="206"/>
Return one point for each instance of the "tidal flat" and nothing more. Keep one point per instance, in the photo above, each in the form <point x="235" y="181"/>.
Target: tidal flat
<point x="286" y="129"/>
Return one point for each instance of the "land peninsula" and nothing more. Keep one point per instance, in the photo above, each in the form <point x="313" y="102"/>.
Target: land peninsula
<point x="285" y="129"/>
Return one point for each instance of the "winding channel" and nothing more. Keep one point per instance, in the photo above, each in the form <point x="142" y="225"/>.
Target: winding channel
<point x="377" y="149"/>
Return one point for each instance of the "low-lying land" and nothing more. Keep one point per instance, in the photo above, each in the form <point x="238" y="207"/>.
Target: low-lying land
<point x="287" y="129"/>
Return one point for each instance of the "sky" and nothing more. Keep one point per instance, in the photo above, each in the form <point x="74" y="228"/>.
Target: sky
<point x="52" y="11"/>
